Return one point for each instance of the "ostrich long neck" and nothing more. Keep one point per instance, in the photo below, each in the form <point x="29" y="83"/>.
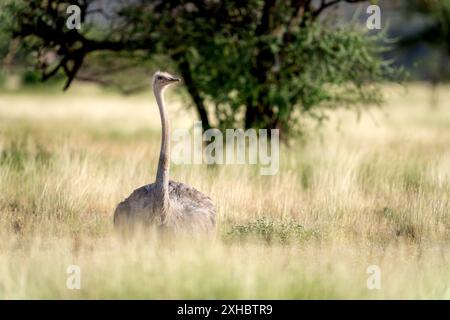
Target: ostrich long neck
<point x="162" y="176"/>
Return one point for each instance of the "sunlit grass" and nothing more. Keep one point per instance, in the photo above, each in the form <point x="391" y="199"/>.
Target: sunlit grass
<point x="359" y="193"/>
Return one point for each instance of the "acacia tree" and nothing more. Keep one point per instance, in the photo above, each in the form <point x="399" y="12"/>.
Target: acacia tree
<point x="255" y="63"/>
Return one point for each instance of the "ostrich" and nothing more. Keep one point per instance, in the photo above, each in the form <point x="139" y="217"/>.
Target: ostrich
<point x="166" y="204"/>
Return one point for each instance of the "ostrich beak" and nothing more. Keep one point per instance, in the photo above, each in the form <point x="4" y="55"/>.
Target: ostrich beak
<point x="174" y="79"/>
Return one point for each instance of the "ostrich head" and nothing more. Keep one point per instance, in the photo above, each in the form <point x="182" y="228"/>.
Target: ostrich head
<point x="163" y="79"/>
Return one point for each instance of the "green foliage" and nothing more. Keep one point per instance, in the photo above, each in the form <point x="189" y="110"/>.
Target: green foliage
<point x="258" y="63"/>
<point x="9" y="14"/>
<point x="30" y="77"/>
<point x="271" y="232"/>
<point x="7" y="9"/>
<point x="322" y="68"/>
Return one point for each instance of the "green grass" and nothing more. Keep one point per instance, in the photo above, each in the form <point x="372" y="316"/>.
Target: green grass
<point x="371" y="193"/>
<point x="270" y="232"/>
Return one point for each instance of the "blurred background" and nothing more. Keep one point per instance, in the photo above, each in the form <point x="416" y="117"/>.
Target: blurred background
<point x="257" y="63"/>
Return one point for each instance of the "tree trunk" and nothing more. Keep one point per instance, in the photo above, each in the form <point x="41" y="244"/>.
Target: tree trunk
<point x="185" y="70"/>
<point x="256" y="111"/>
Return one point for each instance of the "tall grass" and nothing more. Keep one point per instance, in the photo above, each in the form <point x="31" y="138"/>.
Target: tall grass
<point x="360" y="193"/>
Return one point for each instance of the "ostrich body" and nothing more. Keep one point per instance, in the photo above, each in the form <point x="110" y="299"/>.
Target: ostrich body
<point x="166" y="204"/>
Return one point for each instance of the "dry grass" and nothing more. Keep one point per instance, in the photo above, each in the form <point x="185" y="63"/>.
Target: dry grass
<point x="375" y="191"/>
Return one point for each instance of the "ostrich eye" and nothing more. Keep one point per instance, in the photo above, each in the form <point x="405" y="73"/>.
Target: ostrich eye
<point x="159" y="78"/>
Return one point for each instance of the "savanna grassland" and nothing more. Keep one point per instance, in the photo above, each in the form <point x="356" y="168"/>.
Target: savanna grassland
<point x="357" y="193"/>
